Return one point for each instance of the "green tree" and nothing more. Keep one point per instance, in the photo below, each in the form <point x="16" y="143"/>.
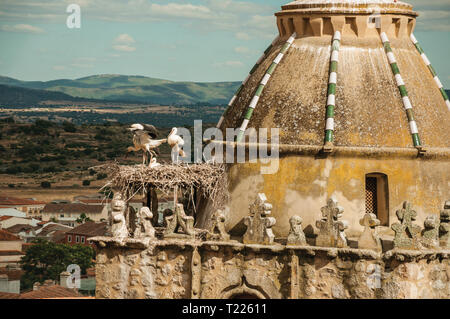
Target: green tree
<point x="83" y="219"/>
<point x="69" y="127"/>
<point x="86" y="182"/>
<point x="46" y="184"/>
<point x="47" y="260"/>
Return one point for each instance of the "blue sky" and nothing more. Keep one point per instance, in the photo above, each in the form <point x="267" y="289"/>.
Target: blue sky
<point x="183" y="40"/>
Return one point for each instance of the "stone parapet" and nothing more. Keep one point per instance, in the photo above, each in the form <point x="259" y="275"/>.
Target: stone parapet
<point x="163" y="269"/>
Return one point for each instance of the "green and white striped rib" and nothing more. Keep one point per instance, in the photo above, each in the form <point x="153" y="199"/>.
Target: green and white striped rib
<point x="262" y="85"/>
<point x="246" y="79"/>
<point x="331" y="99"/>
<point x="432" y="71"/>
<point x="402" y="88"/>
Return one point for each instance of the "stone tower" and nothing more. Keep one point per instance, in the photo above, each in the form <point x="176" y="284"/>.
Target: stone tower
<point x="363" y="117"/>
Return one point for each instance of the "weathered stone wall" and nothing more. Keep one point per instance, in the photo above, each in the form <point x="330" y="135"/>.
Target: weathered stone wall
<point x="172" y="269"/>
<point x="304" y="183"/>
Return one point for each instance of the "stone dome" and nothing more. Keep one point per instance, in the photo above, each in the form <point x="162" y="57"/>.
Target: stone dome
<point x="369" y="109"/>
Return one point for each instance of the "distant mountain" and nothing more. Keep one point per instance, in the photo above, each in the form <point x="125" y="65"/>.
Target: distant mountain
<point x="19" y="96"/>
<point x="139" y="89"/>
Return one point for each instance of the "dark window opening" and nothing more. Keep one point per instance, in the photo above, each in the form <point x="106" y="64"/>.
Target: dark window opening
<point x="377" y="197"/>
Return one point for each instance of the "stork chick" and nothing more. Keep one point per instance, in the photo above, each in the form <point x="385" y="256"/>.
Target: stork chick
<point x="154" y="163"/>
<point x="144" y="140"/>
<point x="176" y="143"/>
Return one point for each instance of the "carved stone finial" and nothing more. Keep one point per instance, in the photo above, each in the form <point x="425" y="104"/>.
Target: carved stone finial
<point x="331" y="228"/>
<point x="177" y="222"/>
<point x="406" y="233"/>
<point x="144" y="227"/>
<point x="430" y="235"/>
<point x="118" y="223"/>
<point x="444" y="227"/>
<point x="259" y="224"/>
<point x="369" y="238"/>
<point x="296" y="235"/>
<point x="218" y="231"/>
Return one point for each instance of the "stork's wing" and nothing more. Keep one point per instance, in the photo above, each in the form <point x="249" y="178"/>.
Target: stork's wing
<point x="151" y="130"/>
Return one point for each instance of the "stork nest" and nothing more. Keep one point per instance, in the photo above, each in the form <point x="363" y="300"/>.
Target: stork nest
<point x="209" y="180"/>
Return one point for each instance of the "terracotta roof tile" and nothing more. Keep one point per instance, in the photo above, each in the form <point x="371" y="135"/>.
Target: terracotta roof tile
<point x="90" y="229"/>
<point x="47" y="292"/>
<point x="53" y="228"/>
<point x="72" y="208"/>
<point x="7" y="295"/>
<point x="6" y="200"/>
<point x="7" y="236"/>
<point x="2" y="218"/>
<point x="19" y="228"/>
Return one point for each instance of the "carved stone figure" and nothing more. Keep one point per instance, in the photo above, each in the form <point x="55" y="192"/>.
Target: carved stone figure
<point x="331" y="229"/>
<point x="369" y="238"/>
<point x="177" y="222"/>
<point x="406" y="233"/>
<point x="259" y="223"/>
<point x="444" y="228"/>
<point x="118" y="222"/>
<point x="430" y="235"/>
<point x="218" y="231"/>
<point x="144" y="227"/>
<point x="296" y="235"/>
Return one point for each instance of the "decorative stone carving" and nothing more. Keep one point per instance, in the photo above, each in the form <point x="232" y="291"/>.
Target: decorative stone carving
<point x="430" y="235"/>
<point x="144" y="227"/>
<point x="177" y="222"/>
<point x="259" y="223"/>
<point x="331" y="229"/>
<point x="444" y="228"/>
<point x="406" y="233"/>
<point x="118" y="223"/>
<point x="296" y="235"/>
<point x="369" y="238"/>
<point x="218" y="231"/>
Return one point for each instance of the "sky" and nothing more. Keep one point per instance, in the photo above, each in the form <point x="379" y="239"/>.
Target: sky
<point x="180" y="40"/>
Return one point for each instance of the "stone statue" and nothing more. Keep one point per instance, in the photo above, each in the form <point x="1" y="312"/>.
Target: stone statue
<point x="406" y="233"/>
<point x="296" y="235"/>
<point x="369" y="238"/>
<point x="259" y="223"/>
<point x="444" y="227"/>
<point x="331" y="229"/>
<point x="144" y="227"/>
<point x="118" y="223"/>
<point x="179" y="221"/>
<point x="430" y="235"/>
<point x="218" y="231"/>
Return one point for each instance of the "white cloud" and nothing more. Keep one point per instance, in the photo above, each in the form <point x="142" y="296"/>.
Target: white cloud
<point x="124" y="48"/>
<point x="123" y="43"/>
<point x="124" y="39"/>
<point x="24" y="28"/>
<point x="232" y="64"/>
<point x="242" y="36"/>
<point x="241" y="50"/>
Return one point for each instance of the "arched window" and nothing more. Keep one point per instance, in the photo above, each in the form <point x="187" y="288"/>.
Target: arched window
<point x="377" y="196"/>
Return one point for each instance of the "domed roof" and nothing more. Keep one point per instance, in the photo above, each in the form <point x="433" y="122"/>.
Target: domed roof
<point x="369" y="108"/>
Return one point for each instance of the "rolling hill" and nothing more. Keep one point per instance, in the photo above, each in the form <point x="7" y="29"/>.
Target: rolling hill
<point x="138" y="89"/>
<point x="19" y="96"/>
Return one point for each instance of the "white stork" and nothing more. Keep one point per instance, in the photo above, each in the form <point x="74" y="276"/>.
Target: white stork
<point x="144" y="139"/>
<point x="176" y="143"/>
